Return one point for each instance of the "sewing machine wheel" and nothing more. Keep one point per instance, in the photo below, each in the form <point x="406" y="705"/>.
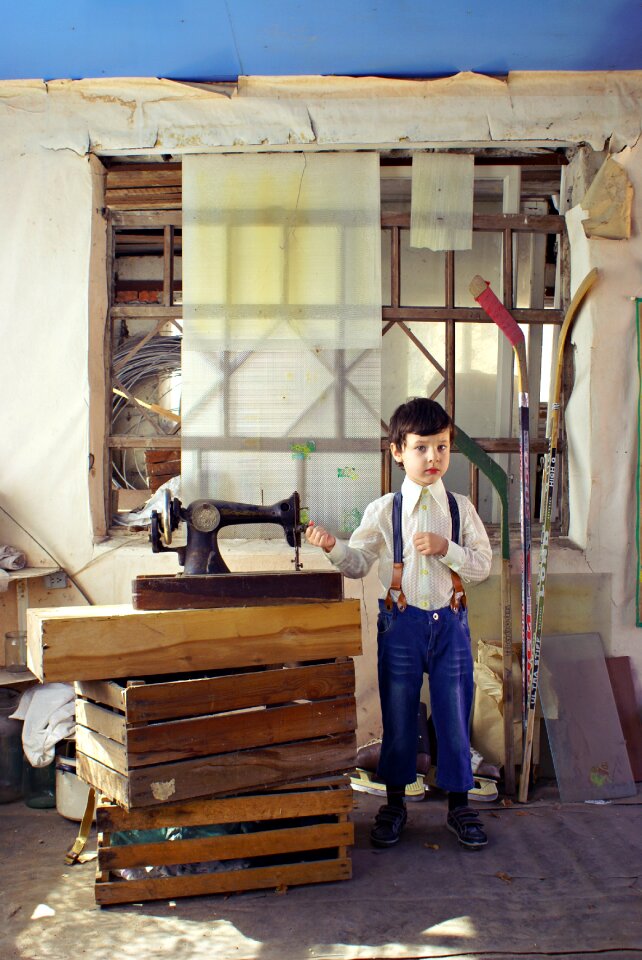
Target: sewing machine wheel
<point x="205" y="516"/>
<point x="166" y="518"/>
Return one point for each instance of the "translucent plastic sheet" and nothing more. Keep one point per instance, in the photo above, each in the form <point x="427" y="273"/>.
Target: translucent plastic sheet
<point x="441" y="216"/>
<point x="282" y="335"/>
<point x="584" y="730"/>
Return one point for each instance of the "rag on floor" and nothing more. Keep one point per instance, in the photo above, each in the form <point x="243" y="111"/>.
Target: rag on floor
<point x="48" y="712"/>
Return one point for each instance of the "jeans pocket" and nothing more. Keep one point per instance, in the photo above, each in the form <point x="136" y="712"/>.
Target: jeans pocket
<point x="384" y="622"/>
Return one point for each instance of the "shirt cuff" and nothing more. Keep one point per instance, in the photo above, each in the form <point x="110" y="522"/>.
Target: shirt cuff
<point x="454" y="556"/>
<point x="338" y="552"/>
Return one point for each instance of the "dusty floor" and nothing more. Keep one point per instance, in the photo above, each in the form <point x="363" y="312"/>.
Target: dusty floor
<point x="556" y="880"/>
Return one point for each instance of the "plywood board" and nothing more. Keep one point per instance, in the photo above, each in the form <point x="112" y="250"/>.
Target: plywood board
<point x="94" y="643"/>
<point x="584" y="731"/>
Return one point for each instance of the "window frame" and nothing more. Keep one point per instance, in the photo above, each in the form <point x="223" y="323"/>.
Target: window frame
<point x="139" y="210"/>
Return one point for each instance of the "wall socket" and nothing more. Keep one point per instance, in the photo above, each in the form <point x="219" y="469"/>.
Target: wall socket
<point x="55" y="581"/>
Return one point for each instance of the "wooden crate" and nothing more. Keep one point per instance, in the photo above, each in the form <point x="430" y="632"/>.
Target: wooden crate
<point x="298" y="835"/>
<point x="150" y="742"/>
<point x="106" y="642"/>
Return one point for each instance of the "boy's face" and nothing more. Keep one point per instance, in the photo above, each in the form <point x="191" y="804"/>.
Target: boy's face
<point x="425" y="459"/>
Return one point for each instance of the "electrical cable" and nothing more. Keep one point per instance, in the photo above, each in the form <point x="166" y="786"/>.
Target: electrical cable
<point x="158" y="356"/>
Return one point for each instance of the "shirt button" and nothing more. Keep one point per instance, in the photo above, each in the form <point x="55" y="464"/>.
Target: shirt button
<point x="435" y="616"/>
<point x="424" y="604"/>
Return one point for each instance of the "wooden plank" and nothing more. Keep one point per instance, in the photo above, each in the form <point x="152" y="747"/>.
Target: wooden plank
<point x="93" y="643"/>
<point x="619" y="670"/>
<point x="145" y="311"/>
<point x="135" y="195"/>
<point x="227" y="846"/>
<point x="106" y="751"/>
<point x="495" y="222"/>
<point x="106" y="722"/>
<point x="144" y="443"/>
<point x="107" y="692"/>
<point x="336" y="781"/>
<point x="168" y="266"/>
<point x="139" y="174"/>
<point x="160" y="456"/>
<point x="467" y="314"/>
<point x="165" y="467"/>
<point x="102" y="778"/>
<point x="232" y="881"/>
<point x="184" y="739"/>
<point x="237" y="691"/>
<point x="199" y="592"/>
<point x="146" y="218"/>
<point x="275" y="805"/>
<point x="241" y="772"/>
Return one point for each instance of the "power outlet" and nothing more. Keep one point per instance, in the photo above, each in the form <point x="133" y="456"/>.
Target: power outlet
<point x="56" y="581"/>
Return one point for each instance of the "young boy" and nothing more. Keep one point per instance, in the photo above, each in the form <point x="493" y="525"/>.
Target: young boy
<point x="422" y="625"/>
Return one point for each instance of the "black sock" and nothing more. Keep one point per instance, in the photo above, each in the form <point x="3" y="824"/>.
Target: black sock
<point x="457" y="800"/>
<point x="395" y="796"/>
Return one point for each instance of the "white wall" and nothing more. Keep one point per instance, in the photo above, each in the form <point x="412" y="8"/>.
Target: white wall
<point x="46" y="209"/>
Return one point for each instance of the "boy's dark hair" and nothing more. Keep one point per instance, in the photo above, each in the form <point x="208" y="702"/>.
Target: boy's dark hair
<point x="421" y="416"/>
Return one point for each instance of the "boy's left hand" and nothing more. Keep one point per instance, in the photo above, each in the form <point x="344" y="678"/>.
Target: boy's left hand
<point x="430" y="544"/>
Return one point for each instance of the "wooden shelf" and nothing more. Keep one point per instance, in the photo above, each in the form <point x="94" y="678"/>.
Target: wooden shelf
<point x="28" y="573"/>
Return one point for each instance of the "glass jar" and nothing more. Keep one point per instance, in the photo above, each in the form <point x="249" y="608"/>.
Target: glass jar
<point x="39" y="785"/>
<point x="15" y="651"/>
<point x="10" y="748"/>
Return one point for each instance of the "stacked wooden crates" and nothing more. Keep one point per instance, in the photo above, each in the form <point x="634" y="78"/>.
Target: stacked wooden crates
<point x="226" y="728"/>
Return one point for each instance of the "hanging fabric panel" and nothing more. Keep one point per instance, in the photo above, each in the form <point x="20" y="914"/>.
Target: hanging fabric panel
<point x="282" y="332"/>
<point x="441" y="206"/>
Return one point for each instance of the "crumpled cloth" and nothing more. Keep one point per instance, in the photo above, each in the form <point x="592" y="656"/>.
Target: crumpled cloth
<point x="10" y="559"/>
<point x="48" y="712"/>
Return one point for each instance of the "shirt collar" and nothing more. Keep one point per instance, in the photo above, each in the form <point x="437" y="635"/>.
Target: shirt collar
<point x="411" y="493"/>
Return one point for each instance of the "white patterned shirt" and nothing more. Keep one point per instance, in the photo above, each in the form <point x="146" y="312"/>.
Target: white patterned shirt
<point x="426" y="581"/>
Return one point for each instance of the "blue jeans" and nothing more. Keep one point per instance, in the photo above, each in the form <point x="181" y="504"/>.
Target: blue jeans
<point x="436" y="642"/>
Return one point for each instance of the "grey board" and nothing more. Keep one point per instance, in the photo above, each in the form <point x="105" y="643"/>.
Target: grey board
<point x="584" y="730"/>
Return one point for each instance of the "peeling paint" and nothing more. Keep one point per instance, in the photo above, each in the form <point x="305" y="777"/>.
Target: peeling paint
<point x="163" y="790"/>
<point x="342" y="112"/>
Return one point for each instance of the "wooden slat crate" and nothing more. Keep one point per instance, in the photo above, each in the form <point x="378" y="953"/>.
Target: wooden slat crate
<point x="152" y="742"/>
<point x="297" y="835"/>
<point x="105" y="642"/>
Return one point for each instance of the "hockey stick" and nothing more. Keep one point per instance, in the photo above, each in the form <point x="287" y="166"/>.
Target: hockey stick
<point x="497" y="312"/>
<point x="546" y="513"/>
<point x="499" y="480"/>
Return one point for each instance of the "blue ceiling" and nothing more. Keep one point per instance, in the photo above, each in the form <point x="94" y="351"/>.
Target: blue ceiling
<point x="220" y="39"/>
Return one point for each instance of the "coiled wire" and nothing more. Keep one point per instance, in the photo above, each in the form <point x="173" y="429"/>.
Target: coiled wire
<point x="160" y="356"/>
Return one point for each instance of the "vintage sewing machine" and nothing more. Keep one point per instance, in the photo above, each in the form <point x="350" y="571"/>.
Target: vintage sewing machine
<point x="206" y="580"/>
<point x="204" y="519"/>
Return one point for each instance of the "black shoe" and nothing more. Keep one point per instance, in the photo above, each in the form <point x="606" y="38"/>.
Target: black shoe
<point x="466" y="825"/>
<point x="388" y="825"/>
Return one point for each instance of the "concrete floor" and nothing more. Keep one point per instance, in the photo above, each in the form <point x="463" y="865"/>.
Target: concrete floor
<point x="558" y="880"/>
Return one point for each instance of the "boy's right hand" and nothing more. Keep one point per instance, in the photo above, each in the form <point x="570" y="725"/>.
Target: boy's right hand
<point x="319" y="537"/>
